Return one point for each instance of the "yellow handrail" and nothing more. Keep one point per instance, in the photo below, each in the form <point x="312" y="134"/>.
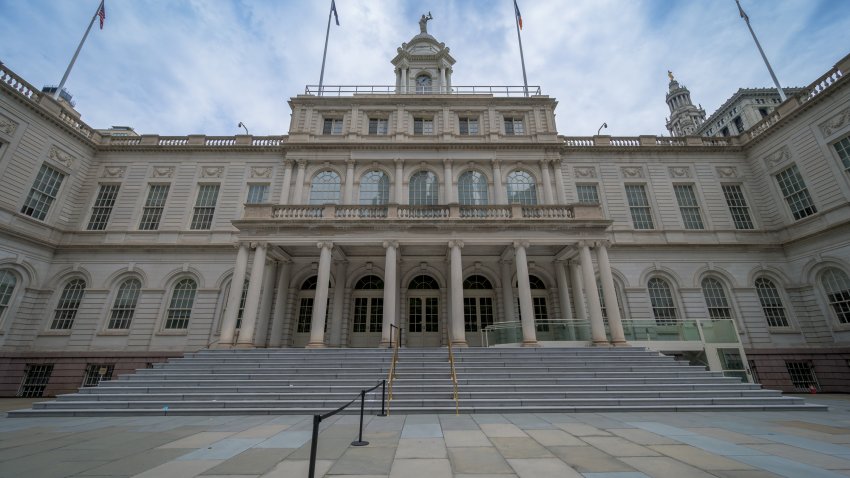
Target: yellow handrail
<point x="454" y="377"/>
<point x="392" y="373"/>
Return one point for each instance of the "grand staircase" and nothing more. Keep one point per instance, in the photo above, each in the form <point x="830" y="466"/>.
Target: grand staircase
<point x="494" y="380"/>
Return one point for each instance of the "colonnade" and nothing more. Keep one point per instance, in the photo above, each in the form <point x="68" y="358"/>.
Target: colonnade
<point x="579" y="268"/>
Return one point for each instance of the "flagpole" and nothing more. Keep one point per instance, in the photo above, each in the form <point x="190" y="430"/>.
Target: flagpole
<point x="763" y="57"/>
<point x="325" y="54"/>
<point x="521" y="56"/>
<point x="76" y="53"/>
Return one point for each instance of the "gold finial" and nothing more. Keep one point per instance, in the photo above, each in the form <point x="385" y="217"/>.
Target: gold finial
<point x="670" y="74"/>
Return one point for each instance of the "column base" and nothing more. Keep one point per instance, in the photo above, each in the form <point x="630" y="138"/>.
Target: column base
<point x="385" y="344"/>
<point x="315" y="345"/>
<point x="601" y="343"/>
<point x="243" y="346"/>
<point x="460" y="344"/>
<point x="220" y="346"/>
<point x="530" y="343"/>
<point x="620" y="344"/>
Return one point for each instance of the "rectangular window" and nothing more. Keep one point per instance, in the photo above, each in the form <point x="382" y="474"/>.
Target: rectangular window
<point x="96" y="373"/>
<point x="468" y="126"/>
<point x="639" y="206"/>
<point x="205" y="206"/>
<point x="514" y="126"/>
<point x="154" y="205"/>
<point x="423" y="126"/>
<point x="688" y="205"/>
<point x="43" y="192"/>
<point x="431" y="314"/>
<point x="103" y="205"/>
<point x="843" y="149"/>
<point x="470" y="314"/>
<point x="379" y="126"/>
<point x="802" y="375"/>
<point x="796" y="195"/>
<point x="305" y="315"/>
<point x="35" y="380"/>
<point x="332" y="126"/>
<point x="257" y="194"/>
<point x="541" y="315"/>
<point x="739" y="124"/>
<point x="587" y="193"/>
<point x="738" y="206"/>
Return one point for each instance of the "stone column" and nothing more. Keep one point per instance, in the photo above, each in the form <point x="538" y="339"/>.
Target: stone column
<point x="597" y="326"/>
<point x="252" y="298"/>
<point x="265" y="306"/>
<point x="563" y="290"/>
<point x="547" y="182"/>
<point x="399" y="181"/>
<point x="443" y="88"/>
<point x="612" y="305"/>
<point x="499" y="195"/>
<point x="578" y="293"/>
<point x="287" y="182"/>
<point x="390" y="285"/>
<point x="448" y="195"/>
<point x="561" y="193"/>
<point x="526" y="309"/>
<point x="348" y="198"/>
<point x="458" y="332"/>
<point x="228" y="323"/>
<point x="507" y="291"/>
<point x="280" y="303"/>
<point x="339" y="297"/>
<point x="299" y="182"/>
<point x="320" y="302"/>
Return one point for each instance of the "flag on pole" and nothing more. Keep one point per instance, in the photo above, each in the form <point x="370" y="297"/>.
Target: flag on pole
<point x="101" y="13"/>
<point x="741" y="11"/>
<point x="518" y="15"/>
<point x="333" y="9"/>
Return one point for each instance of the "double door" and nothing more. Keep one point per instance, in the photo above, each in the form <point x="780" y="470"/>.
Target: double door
<point x="423" y="321"/>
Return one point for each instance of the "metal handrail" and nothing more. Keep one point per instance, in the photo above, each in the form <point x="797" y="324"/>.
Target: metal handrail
<point x="393" y="363"/>
<point x="453" y="373"/>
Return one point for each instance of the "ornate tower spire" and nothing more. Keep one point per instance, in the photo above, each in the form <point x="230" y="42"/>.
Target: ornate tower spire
<point x="685" y="118"/>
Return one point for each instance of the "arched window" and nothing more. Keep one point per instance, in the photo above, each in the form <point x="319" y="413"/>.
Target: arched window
<point x="124" y="306"/>
<point x="368" y="306"/>
<point x="423" y="282"/>
<point x="424" y="189"/>
<point x="715" y="299"/>
<point x="325" y="188"/>
<point x="180" y="306"/>
<point x="663" y="306"/>
<point x="69" y="304"/>
<point x="522" y="189"/>
<point x="536" y="283"/>
<point x="477" y="282"/>
<point x="771" y="303"/>
<point x="472" y="189"/>
<point x="310" y="283"/>
<point x="374" y="188"/>
<point x="7" y="287"/>
<point x="369" y="283"/>
<point x="837" y="288"/>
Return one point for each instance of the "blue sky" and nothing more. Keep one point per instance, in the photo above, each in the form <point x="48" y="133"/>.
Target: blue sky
<point x="181" y="67"/>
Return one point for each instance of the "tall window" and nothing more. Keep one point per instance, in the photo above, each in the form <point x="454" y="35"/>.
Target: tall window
<point x="796" y="195"/>
<point x="424" y="189"/>
<point x="538" y="303"/>
<point x="180" y="307"/>
<point x="374" y="188"/>
<point x="124" y="306"/>
<point x="737" y="206"/>
<point x="639" y="206"/>
<point x="837" y="288"/>
<point x="103" y="205"/>
<point x="663" y="306"/>
<point x="423" y="310"/>
<point x="477" y="305"/>
<point x="7" y="287"/>
<point x="332" y="126"/>
<point x="843" y="149"/>
<point x="43" y="192"/>
<point x="771" y="303"/>
<point x="325" y="188"/>
<point x="423" y="126"/>
<point x="378" y="126"/>
<point x="257" y="194"/>
<point x="472" y="189"/>
<point x="305" y="305"/>
<point x="154" y="205"/>
<point x="368" y="311"/>
<point x="587" y="193"/>
<point x="468" y="126"/>
<point x="715" y="299"/>
<point x="689" y="206"/>
<point x="522" y="188"/>
<point x="244" y="296"/>
<point x="514" y="126"/>
<point x="69" y="304"/>
<point x="205" y="206"/>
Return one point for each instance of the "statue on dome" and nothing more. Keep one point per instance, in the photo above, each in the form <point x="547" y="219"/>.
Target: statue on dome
<point x="423" y="22"/>
<point x="670" y="74"/>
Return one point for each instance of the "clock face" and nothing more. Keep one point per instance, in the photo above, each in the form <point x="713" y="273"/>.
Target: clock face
<point x="423" y="80"/>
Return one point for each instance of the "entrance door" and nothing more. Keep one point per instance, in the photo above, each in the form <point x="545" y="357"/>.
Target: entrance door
<point x="304" y="313"/>
<point x="367" y="319"/>
<point x="423" y="312"/>
<point x="478" y="299"/>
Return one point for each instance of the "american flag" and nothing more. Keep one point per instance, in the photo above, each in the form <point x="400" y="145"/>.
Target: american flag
<point x="518" y="15"/>
<point x="101" y="12"/>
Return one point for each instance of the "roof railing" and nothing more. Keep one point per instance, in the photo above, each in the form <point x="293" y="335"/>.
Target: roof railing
<point x="350" y="90"/>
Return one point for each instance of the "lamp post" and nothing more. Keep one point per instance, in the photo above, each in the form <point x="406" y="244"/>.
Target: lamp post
<point x="604" y="125"/>
<point x="242" y="125"/>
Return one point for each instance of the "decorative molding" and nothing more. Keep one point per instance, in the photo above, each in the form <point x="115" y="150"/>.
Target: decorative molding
<point x="212" y="171"/>
<point x="7" y="126"/>
<point x="113" y="171"/>
<point x="61" y="157"/>
<point x="585" y="171"/>
<point x="778" y="157"/>
<point x="261" y="171"/>
<point x="836" y="122"/>
<point x="162" y="171"/>
<point x="727" y="172"/>
<point x="631" y="172"/>
<point x="679" y="172"/>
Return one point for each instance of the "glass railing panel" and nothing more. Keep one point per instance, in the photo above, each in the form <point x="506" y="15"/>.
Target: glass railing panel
<point x="719" y="331"/>
<point x="649" y="330"/>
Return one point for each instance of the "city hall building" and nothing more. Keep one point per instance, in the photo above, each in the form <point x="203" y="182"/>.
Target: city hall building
<point x="429" y="213"/>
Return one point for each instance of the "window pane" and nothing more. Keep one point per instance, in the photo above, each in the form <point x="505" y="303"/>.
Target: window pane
<point x="180" y="307"/>
<point x="374" y="188"/>
<point x="472" y="189"/>
<point x="771" y="303"/>
<point x="124" y="306"/>
<point x="470" y="314"/>
<point x="332" y="126"/>
<point x="69" y="303"/>
<point x="103" y="207"/>
<point x="414" y="315"/>
<point x="587" y="193"/>
<point x="43" y="192"/>
<point x="258" y="194"/>
<point x="423" y="126"/>
<point x="837" y="287"/>
<point x="514" y="126"/>
<point x="431" y="314"/>
<point x="843" y="149"/>
<point x="423" y="283"/>
<point x="737" y="206"/>
<point x="205" y="206"/>
<point x="468" y="126"/>
<point x="715" y="299"/>
<point x="154" y="205"/>
<point x="688" y="205"/>
<point x="325" y="188"/>
<point x="361" y="306"/>
<point x="639" y="206"/>
<point x="477" y="282"/>
<point x="424" y="189"/>
<point x="522" y="188"/>
<point x="7" y="287"/>
<point x="305" y="315"/>
<point x="376" y="314"/>
<point x="796" y="195"/>
<point x="378" y="126"/>
<point x="663" y="307"/>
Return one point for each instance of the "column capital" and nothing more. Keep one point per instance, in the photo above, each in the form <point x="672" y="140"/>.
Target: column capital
<point x="287" y="163"/>
<point x="456" y="243"/>
<point x="544" y="163"/>
<point x="398" y="162"/>
<point x="522" y="244"/>
<point x="447" y="161"/>
<point x="388" y="244"/>
<point x="350" y="162"/>
<point x="497" y="163"/>
<point x="325" y="245"/>
<point x="588" y="244"/>
<point x="258" y="244"/>
<point x="240" y="244"/>
<point x="302" y="163"/>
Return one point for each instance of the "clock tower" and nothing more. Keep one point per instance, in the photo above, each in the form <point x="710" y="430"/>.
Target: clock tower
<point x="423" y="65"/>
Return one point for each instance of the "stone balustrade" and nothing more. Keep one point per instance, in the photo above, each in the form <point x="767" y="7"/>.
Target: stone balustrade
<point x="18" y="84"/>
<point x="346" y="212"/>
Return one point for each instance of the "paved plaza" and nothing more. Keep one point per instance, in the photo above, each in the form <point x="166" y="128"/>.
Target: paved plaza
<point x="528" y="445"/>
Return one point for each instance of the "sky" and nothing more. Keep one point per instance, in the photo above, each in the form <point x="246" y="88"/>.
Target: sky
<point x="179" y="67"/>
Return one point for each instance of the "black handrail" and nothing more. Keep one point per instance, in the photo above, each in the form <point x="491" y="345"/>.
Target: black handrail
<point x="317" y="419"/>
<point x="394" y="326"/>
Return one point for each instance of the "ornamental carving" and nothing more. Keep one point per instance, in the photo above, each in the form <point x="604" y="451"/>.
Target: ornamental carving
<point x="7" y="126"/>
<point x="162" y="171"/>
<point x="212" y="171"/>
<point x="833" y="124"/>
<point x="585" y="172"/>
<point x="778" y="157"/>
<point x="261" y="172"/>
<point x="679" y="172"/>
<point x="61" y="157"/>
<point x="727" y="172"/>
<point x="113" y="172"/>
<point x="632" y="171"/>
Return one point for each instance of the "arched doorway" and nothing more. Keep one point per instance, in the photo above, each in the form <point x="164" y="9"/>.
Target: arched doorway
<point x="368" y="312"/>
<point x="478" y="300"/>
<point x="423" y="312"/>
<point x="304" y="312"/>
